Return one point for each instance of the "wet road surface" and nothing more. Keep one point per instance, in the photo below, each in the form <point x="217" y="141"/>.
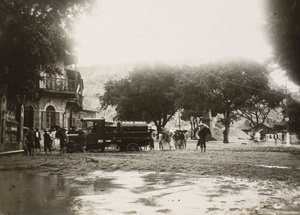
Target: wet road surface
<point x="134" y="192"/>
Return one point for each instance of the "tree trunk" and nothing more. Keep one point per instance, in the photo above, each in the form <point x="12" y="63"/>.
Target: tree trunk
<point x="194" y="129"/>
<point x="227" y="126"/>
<point x="158" y="128"/>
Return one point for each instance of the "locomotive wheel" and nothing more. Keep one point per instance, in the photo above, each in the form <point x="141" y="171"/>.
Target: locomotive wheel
<point x="132" y="147"/>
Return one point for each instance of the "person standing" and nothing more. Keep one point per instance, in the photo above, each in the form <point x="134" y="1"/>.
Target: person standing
<point x="52" y="137"/>
<point x="29" y="142"/>
<point x="185" y="137"/>
<point x="282" y="137"/>
<point x="83" y="140"/>
<point x="61" y="135"/>
<point x="257" y="137"/>
<point x="37" y="139"/>
<point x="203" y="133"/>
<point x="276" y="138"/>
<point x="47" y="142"/>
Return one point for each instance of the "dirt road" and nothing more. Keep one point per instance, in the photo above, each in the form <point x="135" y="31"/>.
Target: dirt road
<point x="250" y="161"/>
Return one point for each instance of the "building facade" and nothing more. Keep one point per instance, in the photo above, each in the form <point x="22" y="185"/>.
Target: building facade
<point x="59" y="100"/>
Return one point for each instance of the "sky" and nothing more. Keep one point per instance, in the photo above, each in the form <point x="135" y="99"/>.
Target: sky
<point x="172" y="31"/>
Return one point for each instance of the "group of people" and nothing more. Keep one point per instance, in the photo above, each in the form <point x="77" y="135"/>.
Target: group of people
<point x="33" y="138"/>
<point x="259" y="136"/>
<point x="180" y="137"/>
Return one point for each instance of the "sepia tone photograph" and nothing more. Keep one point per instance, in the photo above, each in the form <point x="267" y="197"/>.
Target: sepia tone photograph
<point x="149" y="107"/>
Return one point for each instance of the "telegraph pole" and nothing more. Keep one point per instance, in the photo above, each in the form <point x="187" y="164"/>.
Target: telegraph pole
<point x="192" y="127"/>
<point x="287" y="114"/>
<point x="179" y="115"/>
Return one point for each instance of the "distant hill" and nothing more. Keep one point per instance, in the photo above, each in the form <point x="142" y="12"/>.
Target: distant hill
<point x="94" y="78"/>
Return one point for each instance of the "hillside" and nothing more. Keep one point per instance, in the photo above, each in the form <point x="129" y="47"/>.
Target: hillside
<point x="94" y="78"/>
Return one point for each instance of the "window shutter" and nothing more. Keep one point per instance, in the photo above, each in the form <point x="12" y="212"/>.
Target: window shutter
<point x="44" y="120"/>
<point x="56" y="119"/>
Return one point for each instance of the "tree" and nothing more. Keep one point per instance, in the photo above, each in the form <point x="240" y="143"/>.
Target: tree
<point x="294" y="116"/>
<point x="34" y="36"/>
<point x="190" y="97"/>
<point x="284" y="33"/>
<point x="257" y="108"/>
<point x="224" y="87"/>
<point x="147" y="94"/>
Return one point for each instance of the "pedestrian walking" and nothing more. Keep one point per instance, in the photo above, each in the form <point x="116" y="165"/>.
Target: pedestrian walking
<point x="37" y="139"/>
<point x="47" y="142"/>
<point x="203" y="133"/>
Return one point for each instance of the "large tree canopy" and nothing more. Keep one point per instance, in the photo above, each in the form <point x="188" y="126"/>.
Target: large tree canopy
<point x="257" y="109"/>
<point x="284" y="33"/>
<point x="224" y="87"/>
<point x="147" y="94"/>
<point x="34" y="36"/>
<point x="154" y="94"/>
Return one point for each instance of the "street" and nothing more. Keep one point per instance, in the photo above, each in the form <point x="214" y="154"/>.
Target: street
<point x="235" y="178"/>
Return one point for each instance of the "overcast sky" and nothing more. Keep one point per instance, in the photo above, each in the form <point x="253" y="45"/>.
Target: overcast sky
<point x="172" y="31"/>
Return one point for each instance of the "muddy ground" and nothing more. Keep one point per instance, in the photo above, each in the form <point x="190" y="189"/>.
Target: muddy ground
<point x="246" y="160"/>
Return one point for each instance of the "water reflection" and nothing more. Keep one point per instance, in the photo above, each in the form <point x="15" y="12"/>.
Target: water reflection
<point x="22" y="193"/>
<point x="141" y="193"/>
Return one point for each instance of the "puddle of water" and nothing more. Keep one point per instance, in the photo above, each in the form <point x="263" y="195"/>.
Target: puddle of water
<point x="142" y="193"/>
<point x="150" y="193"/>
<point x="22" y="193"/>
<point x="278" y="167"/>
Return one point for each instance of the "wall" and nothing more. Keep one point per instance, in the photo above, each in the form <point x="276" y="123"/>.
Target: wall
<point x="10" y="146"/>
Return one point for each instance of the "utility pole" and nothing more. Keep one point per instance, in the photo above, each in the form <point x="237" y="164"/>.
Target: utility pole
<point x="287" y="114"/>
<point x="192" y="127"/>
<point x="179" y="115"/>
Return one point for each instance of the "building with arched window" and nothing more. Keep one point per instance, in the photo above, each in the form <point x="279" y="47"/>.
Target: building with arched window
<point x="57" y="102"/>
<point x="50" y="117"/>
<point x="59" y="99"/>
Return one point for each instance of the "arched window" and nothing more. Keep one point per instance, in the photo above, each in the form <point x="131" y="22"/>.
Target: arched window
<point x="50" y="117"/>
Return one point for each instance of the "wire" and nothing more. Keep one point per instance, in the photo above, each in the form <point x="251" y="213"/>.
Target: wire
<point x="241" y="85"/>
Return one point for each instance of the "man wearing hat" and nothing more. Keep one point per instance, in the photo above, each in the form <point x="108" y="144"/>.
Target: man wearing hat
<point x="61" y="135"/>
<point x="203" y="132"/>
<point x="47" y="141"/>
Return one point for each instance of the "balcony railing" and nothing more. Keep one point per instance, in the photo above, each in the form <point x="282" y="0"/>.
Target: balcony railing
<point x="58" y="84"/>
